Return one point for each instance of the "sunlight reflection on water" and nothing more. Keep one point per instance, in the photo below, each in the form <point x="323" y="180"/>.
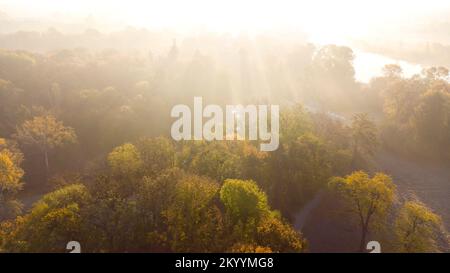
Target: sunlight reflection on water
<point x="369" y="65"/>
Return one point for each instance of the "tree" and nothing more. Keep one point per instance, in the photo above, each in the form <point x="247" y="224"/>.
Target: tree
<point x="10" y="102"/>
<point x="213" y="159"/>
<point x="336" y="62"/>
<point x="294" y="122"/>
<point x="279" y="236"/>
<point x="332" y="78"/>
<point x="250" y="248"/>
<point x="16" y="65"/>
<point x="54" y="220"/>
<point x="10" y="184"/>
<point x="364" y="136"/>
<point x="111" y="217"/>
<point x="222" y="160"/>
<point x="297" y="170"/>
<point x="417" y="228"/>
<point x="157" y="154"/>
<point x="367" y="198"/>
<point x="46" y="133"/>
<point x="243" y="200"/>
<point x="393" y="71"/>
<point x="400" y="97"/>
<point x="154" y="197"/>
<point x="125" y="161"/>
<point x="431" y="122"/>
<point x="245" y="205"/>
<point x="436" y="73"/>
<point x="194" y="222"/>
<point x="251" y="225"/>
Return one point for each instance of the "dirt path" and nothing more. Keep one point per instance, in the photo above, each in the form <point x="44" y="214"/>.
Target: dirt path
<point x="303" y="215"/>
<point x="429" y="183"/>
<point x="29" y="200"/>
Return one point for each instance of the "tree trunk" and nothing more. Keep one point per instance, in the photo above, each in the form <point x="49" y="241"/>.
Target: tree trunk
<point x="46" y="164"/>
<point x="354" y="156"/>
<point x="362" y="244"/>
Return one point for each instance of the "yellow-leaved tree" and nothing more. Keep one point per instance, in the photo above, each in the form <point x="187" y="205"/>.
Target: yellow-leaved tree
<point x="417" y="228"/>
<point x="367" y="198"/>
<point x="10" y="180"/>
<point x="46" y="133"/>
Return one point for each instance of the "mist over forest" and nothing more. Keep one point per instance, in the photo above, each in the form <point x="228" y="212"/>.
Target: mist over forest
<point x="86" y="151"/>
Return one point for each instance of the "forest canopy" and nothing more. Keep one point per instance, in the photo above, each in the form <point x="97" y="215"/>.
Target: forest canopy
<point x="86" y="152"/>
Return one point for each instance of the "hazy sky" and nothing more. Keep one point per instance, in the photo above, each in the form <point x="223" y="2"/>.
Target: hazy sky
<point x="323" y="19"/>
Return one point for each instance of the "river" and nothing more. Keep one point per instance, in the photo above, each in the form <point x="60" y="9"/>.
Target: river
<point x="368" y="65"/>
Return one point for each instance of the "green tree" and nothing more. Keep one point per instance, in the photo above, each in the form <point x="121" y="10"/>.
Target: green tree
<point x="417" y="228"/>
<point x="125" y="161"/>
<point x="364" y="136"/>
<point x="336" y="61"/>
<point x="294" y="122"/>
<point x="10" y="101"/>
<point x="157" y="154"/>
<point x="245" y="205"/>
<point x="154" y="196"/>
<point x="332" y="78"/>
<point x="250" y="223"/>
<point x="243" y="200"/>
<point x="54" y="220"/>
<point x="126" y="168"/>
<point x="296" y="171"/>
<point x="111" y="217"/>
<point x="368" y="199"/>
<point x="213" y="159"/>
<point x="194" y="221"/>
<point x="400" y="97"/>
<point x="431" y="122"/>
